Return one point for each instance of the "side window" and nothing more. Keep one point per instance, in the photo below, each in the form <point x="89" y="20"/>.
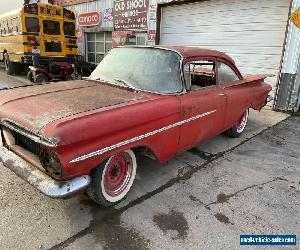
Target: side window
<point x="226" y="74"/>
<point x="200" y="74"/>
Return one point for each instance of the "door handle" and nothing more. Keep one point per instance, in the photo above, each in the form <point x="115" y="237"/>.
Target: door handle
<point x="222" y="94"/>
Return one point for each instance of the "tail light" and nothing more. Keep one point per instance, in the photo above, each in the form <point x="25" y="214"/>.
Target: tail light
<point x="32" y="38"/>
<point x="73" y="41"/>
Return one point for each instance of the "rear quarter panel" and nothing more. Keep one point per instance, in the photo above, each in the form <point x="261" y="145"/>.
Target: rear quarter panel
<point x="242" y="95"/>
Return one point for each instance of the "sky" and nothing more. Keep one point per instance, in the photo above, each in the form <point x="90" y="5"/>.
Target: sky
<point x="9" y="5"/>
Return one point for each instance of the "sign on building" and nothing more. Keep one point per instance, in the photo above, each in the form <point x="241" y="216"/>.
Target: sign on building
<point x="89" y="18"/>
<point x="130" y="14"/>
<point x="295" y="17"/>
<point x="70" y="2"/>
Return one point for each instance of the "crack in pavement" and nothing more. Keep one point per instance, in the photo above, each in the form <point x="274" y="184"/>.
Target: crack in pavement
<point x="171" y="182"/>
<point x="222" y="198"/>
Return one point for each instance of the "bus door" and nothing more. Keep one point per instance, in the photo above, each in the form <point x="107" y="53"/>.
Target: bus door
<point x="51" y="37"/>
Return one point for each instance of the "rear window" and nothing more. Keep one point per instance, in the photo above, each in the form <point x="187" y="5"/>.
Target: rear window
<point x="51" y="27"/>
<point x="69" y="29"/>
<point x="226" y="74"/>
<point x="32" y="24"/>
<point x="53" y="47"/>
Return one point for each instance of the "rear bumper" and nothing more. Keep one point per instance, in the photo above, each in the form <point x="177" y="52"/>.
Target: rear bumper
<point x="41" y="181"/>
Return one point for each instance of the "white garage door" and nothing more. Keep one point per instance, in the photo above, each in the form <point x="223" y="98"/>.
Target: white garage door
<point x="251" y="31"/>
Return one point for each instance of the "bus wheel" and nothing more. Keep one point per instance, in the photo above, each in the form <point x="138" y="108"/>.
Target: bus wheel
<point x="41" y="78"/>
<point x="9" y="67"/>
<point x="30" y="76"/>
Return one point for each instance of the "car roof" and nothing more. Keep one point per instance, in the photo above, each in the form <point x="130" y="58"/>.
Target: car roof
<point x="190" y="52"/>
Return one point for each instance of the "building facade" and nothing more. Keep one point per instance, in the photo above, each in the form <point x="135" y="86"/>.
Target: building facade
<point x="257" y="34"/>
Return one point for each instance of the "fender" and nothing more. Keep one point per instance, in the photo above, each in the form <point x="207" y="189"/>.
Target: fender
<point x="257" y="77"/>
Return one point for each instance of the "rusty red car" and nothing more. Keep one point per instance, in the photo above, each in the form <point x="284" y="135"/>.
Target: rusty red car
<point x="66" y="137"/>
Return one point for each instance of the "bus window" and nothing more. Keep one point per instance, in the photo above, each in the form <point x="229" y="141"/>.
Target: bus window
<point x="69" y="29"/>
<point x="32" y="24"/>
<point x="51" y="27"/>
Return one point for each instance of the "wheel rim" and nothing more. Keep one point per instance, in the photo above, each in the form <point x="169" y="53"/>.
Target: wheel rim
<point x="118" y="176"/>
<point x="242" y="122"/>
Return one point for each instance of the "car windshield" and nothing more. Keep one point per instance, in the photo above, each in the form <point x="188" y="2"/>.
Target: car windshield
<point x="149" y="69"/>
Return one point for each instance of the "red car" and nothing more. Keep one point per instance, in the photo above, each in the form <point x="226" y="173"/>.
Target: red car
<point x="69" y="136"/>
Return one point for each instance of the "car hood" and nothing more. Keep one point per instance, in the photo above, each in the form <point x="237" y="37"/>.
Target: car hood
<point x="33" y="107"/>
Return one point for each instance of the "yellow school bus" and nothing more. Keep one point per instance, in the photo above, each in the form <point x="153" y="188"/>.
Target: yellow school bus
<point x="42" y="30"/>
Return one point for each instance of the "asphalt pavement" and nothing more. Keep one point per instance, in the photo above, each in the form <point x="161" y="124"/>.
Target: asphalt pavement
<point x="201" y="199"/>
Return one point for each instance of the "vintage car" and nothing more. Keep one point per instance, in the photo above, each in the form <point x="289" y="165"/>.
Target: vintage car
<point x="66" y="137"/>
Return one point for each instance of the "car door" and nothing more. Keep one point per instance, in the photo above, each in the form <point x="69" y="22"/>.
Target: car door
<point x="229" y="81"/>
<point x="203" y="106"/>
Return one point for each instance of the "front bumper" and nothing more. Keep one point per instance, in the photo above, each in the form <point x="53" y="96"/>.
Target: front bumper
<point x="41" y="181"/>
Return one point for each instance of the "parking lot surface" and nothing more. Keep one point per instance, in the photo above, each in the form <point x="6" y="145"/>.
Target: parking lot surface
<point x="201" y="199"/>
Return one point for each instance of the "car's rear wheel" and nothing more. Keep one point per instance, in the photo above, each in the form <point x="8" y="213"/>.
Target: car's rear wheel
<point x="112" y="180"/>
<point x="239" y="127"/>
<point x="41" y="78"/>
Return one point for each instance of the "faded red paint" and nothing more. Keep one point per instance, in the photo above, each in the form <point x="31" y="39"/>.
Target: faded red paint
<point x="86" y="116"/>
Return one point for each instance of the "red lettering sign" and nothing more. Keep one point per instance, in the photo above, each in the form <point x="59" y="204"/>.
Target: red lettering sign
<point x="89" y="19"/>
<point x="130" y="14"/>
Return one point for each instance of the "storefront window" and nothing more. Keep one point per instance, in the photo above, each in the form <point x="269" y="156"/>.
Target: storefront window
<point x="138" y="39"/>
<point x="98" y="45"/>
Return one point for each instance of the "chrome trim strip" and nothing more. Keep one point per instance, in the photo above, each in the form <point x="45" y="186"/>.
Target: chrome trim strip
<point x="140" y="137"/>
<point x="27" y="132"/>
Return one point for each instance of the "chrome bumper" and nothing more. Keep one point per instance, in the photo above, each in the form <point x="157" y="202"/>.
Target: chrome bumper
<point x="39" y="180"/>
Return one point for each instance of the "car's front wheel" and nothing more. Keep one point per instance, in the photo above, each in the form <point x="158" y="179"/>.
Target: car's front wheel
<point x="30" y="76"/>
<point x="239" y="127"/>
<point x="112" y="180"/>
